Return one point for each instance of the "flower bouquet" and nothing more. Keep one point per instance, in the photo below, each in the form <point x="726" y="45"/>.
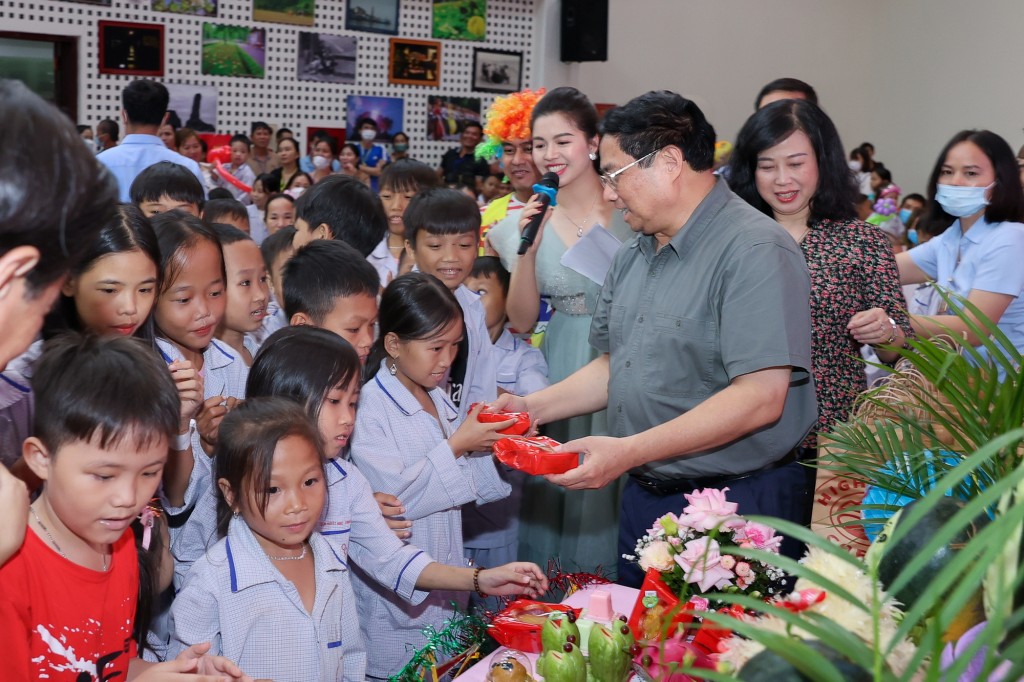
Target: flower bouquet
<point x="689" y="559"/>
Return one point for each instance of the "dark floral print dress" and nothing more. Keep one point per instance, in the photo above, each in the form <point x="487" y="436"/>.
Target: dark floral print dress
<point x="852" y="269"/>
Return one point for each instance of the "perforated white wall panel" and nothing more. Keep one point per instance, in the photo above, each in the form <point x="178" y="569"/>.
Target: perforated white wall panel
<point x="279" y="98"/>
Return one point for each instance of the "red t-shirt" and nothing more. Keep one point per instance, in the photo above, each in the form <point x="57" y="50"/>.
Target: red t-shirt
<point x="62" y="621"/>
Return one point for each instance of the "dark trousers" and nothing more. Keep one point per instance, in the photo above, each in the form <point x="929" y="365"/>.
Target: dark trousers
<point x="784" y="493"/>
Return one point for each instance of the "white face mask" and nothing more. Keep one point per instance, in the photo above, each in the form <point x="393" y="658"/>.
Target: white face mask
<point x="320" y="162"/>
<point x="962" y="201"/>
<point x="295" y="192"/>
<point x="855" y="166"/>
<point x="368" y="135"/>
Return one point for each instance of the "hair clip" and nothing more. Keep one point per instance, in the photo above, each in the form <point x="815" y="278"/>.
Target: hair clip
<point x="148" y="519"/>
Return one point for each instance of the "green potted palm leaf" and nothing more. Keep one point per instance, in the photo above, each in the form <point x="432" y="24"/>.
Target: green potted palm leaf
<point x="952" y="445"/>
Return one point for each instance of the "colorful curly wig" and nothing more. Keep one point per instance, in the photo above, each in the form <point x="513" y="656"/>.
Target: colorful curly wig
<point x="507" y="119"/>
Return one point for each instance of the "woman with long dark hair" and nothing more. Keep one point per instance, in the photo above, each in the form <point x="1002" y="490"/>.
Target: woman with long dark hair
<point x="789" y="163"/>
<point x="977" y="203"/>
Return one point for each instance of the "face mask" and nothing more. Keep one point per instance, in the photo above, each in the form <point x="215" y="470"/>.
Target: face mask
<point x="320" y="162"/>
<point x="905" y="214"/>
<point x="962" y="201"/>
<point x="912" y="236"/>
<point x="368" y="135"/>
<point x="855" y="166"/>
<point x="401" y="147"/>
<point x="871" y="197"/>
<point x="295" y="192"/>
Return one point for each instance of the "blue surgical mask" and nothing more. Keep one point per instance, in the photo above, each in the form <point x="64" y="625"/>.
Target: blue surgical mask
<point x="912" y="236"/>
<point x="871" y="197"/>
<point x="905" y="214"/>
<point x="962" y="201"/>
<point x="399" y="147"/>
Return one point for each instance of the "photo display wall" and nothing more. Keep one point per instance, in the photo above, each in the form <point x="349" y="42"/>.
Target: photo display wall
<point x="298" y="63"/>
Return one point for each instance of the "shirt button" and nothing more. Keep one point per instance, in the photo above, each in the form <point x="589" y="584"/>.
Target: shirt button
<point x="627" y="363"/>
<point x="679" y="323"/>
<point x="641" y="319"/>
<point x="619" y="409"/>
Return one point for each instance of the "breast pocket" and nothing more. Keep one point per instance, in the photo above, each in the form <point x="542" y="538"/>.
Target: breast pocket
<point x="680" y="354"/>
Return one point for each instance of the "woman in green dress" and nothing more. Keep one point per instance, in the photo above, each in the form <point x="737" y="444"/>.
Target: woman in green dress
<point x="578" y="527"/>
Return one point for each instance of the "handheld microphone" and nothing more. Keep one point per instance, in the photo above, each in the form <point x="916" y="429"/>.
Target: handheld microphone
<point x="547" y="188"/>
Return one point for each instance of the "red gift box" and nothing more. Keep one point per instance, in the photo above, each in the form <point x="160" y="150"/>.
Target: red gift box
<point x="535" y="455"/>
<point x="521" y="426"/>
<point x="510" y="629"/>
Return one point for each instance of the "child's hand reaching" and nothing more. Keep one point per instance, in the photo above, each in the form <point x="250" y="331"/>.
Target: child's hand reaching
<point x="211" y="414"/>
<point x="519" y="577"/>
<point x="473" y="435"/>
<point x="391" y="508"/>
<point x="190" y="389"/>
<point x="191" y="665"/>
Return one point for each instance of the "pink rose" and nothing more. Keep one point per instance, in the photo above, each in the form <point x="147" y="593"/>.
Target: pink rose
<point x="743" y="569"/>
<point x="757" y="535"/>
<point x="708" y="509"/>
<point x="728" y="561"/>
<point x="701" y="564"/>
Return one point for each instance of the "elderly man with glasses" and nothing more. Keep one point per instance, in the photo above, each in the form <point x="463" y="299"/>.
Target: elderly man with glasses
<point x="705" y="326"/>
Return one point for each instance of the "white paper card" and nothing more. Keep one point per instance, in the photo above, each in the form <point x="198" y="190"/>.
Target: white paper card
<point x="592" y="255"/>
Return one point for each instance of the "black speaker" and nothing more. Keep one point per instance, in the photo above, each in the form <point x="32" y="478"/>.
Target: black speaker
<point x="584" y="30"/>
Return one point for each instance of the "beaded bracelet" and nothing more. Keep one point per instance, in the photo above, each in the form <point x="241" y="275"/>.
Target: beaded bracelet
<point x="476" y="582"/>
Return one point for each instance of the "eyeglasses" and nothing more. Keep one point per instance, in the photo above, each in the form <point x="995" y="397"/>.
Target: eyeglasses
<point x="610" y="180"/>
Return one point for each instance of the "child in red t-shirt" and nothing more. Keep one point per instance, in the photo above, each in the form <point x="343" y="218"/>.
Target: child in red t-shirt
<point x="105" y="411"/>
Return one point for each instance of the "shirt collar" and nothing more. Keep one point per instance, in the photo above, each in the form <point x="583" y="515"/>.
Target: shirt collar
<point x="216" y="356"/>
<point x="381" y="251"/>
<point x="507" y="341"/>
<point x="692" y="230"/>
<point x="406" y="402"/>
<point x="977" y="233"/>
<point x="249" y="565"/>
<point x="139" y="138"/>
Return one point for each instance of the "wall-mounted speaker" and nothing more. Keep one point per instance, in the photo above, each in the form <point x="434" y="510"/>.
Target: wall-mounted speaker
<point x="584" y="30"/>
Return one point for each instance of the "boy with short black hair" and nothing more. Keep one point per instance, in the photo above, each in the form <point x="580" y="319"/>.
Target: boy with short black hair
<point x="442" y="228"/>
<point x="343" y="208"/>
<point x="166" y="186"/>
<point x="521" y="367"/>
<point x="329" y="284"/>
<point x="227" y="211"/>
<point x="106" y="411"/>
<point x="239" y="169"/>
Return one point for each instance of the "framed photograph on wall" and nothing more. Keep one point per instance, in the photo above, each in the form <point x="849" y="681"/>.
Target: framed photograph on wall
<point x="459" y="19"/>
<point x="387" y="112"/>
<point x="233" y="50"/>
<point x="131" y="49"/>
<point x="415" y="62"/>
<point x="203" y="8"/>
<point x="497" y="70"/>
<point x="327" y="58"/>
<point x="375" y="16"/>
<point x="192" y="106"/>
<point x="298" y="12"/>
<point x="448" y="116"/>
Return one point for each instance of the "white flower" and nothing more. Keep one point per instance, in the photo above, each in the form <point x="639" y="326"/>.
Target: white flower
<point x="657" y="555"/>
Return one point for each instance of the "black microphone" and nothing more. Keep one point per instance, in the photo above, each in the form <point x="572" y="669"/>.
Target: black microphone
<point x="546" y="189"/>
